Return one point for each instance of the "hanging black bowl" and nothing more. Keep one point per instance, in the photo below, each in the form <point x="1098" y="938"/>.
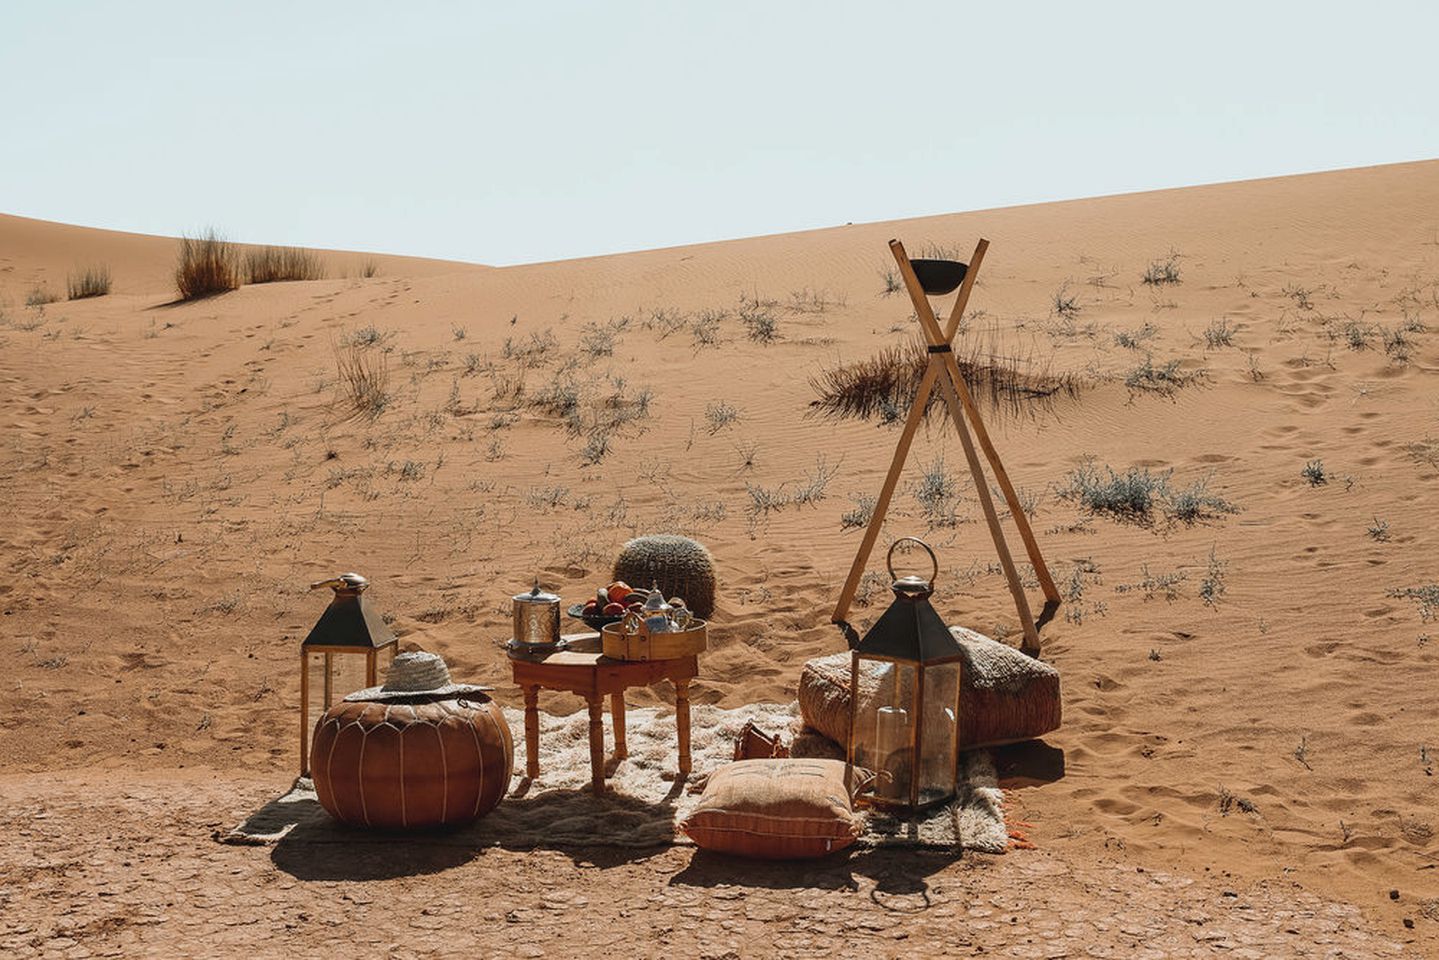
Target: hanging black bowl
<point x="938" y="277"/>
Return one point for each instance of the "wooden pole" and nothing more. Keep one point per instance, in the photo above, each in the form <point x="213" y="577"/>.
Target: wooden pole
<point x="1001" y="476"/>
<point x="886" y="492"/>
<point x="935" y="336"/>
<point x="304" y="713"/>
<point x="956" y="313"/>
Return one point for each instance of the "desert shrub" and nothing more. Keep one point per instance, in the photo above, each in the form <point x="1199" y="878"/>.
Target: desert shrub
<point x="705" y="328"/>
<point x="1137" y="494"/>
<point x="941" y="250"/>
<point x="208" y="265"/>
<point x="760" y="323"/>
<point x="811" y="489"/>
<point x="720" y="415"/>
<point x="595" y="449"/>
<point x="883" y="386"/>
<point x="364" y="379"/>
<point x="1426" y="595"/>
<point x="1397" y="344"/>
<point x="1160" y="272"/>
<point x="1212" y="586"/>
<point x="1130" y="495"/>
<point x="93" y="281"/>
<point x="1300" y="296"/>
<point x="558" y="399"/>
<point x="1064" y="303"/>
<point x="531" y="351"/>
<point x="1166" y="379"/>
<point x="1356" y="335"/>
<point x="1219" y="333"/>
<point x="937" y="493"/>
<point x="275" y="264"/>
<point x="1195" y="503"/>
<point x="860" y="514"/>
<point x="1315" y="473"/>
<point x="40" y="295"/>
<point x="1134" y="339"/>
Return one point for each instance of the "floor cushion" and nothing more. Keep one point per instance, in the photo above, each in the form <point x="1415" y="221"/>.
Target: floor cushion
<point x="775" y="810"/>
<point x="1006" y="696"/>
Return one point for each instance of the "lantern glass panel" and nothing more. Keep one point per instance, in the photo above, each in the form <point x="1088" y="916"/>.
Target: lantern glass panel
<point x="884" y="733"/>
<point x="315" y="668"/>
<point x="347" y="674"/>
<point x="939" y="733"/>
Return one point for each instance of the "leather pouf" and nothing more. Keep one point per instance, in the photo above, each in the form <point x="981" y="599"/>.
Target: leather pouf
<point x="424" y="762"/>
<point x="1006" y="696"/>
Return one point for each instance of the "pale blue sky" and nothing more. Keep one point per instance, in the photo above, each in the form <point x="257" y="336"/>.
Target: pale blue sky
<point x="505" y="133"/>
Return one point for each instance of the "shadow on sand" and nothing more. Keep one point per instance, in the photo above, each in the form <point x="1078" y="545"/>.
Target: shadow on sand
<point x="309" y="844"/>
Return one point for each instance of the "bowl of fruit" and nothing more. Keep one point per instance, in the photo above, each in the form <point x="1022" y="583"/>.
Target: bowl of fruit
<point x="608" y="605"/>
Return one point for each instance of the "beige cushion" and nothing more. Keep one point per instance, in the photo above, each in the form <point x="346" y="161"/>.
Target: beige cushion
<point x="775" y="809"/>
<point x="1005" y="695"/>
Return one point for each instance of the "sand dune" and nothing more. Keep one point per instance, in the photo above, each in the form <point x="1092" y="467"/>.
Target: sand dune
<point x="1245" y="696"/>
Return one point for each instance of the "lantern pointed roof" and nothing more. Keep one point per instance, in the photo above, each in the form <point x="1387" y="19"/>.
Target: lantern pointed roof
<point x="910" y="631"/>
<point x="350" y="620"/>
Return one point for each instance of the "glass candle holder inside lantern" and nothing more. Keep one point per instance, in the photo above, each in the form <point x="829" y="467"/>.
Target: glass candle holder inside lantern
<point x="341" y="653"/>
<point x="904" y="739"/>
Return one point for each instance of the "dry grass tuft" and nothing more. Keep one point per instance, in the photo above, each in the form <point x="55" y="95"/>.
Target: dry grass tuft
<point x="208" y="265"/>
<point x="364" y="378"/>
<point x="93" y="281"/>
<point x="884" y="385"/>
<point x="40" y="295"/>
<point x="275" y="264"/>
<point x="1160" y="272"/>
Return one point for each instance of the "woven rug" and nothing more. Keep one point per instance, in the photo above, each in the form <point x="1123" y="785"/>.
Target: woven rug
<point x="644" y="799"/>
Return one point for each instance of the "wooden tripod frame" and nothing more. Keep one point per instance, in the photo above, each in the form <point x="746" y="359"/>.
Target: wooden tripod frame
<point x="944" y="368"/>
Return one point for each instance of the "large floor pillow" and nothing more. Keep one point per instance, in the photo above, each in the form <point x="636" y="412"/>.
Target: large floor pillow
<point x="1007" y="695"/>
<point x="775" y="810"/>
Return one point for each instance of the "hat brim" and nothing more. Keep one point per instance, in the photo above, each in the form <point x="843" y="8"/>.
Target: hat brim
<point x="450" y="691"/>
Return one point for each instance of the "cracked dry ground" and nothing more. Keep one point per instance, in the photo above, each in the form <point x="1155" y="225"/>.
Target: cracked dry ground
<point x="127" y="866"/>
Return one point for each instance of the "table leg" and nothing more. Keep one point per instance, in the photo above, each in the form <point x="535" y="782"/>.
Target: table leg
<point x="597" y="744"/>
<point x="682" y="723"/>
<point x="617" y="714"/>
<point x="532" y="732"/>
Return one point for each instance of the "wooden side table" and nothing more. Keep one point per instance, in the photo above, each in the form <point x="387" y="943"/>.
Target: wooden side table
<point x="594" y="676"/>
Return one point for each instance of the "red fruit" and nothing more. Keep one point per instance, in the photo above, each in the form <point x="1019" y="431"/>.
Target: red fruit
<point x="614" y="609"/>
<point x="592" y="606"/>
<point x="619" y="589"/>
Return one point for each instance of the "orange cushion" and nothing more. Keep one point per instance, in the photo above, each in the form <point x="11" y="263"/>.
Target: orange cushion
<point x="775" y="809"/>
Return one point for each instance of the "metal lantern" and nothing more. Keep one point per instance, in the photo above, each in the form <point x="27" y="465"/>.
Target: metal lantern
<point x="343" y="648"/>
<point x="905" y="736"/>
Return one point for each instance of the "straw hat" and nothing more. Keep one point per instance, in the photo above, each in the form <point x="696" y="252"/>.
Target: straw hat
<point x="417" y="674"/>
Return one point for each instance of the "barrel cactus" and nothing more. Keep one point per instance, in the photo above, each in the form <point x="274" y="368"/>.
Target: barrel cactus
<point x="680" y="566"/>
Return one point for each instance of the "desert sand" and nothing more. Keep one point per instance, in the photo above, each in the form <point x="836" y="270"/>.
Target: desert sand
<point x="1249" y="697"/>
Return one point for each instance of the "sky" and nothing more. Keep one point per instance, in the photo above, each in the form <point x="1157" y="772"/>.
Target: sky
<point x="521" y="132"/>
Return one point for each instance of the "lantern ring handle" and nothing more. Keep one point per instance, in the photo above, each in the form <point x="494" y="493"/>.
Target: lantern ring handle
<point x="889" y="558"/>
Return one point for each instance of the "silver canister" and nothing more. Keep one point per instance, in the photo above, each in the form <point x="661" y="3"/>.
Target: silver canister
<point x="537" y="617"/>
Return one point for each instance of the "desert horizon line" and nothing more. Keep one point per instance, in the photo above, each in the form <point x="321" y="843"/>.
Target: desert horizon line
<point x="220" y="230"/>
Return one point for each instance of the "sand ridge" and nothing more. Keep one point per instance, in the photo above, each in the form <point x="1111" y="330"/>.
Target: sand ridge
<point x="175" y="475"/>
